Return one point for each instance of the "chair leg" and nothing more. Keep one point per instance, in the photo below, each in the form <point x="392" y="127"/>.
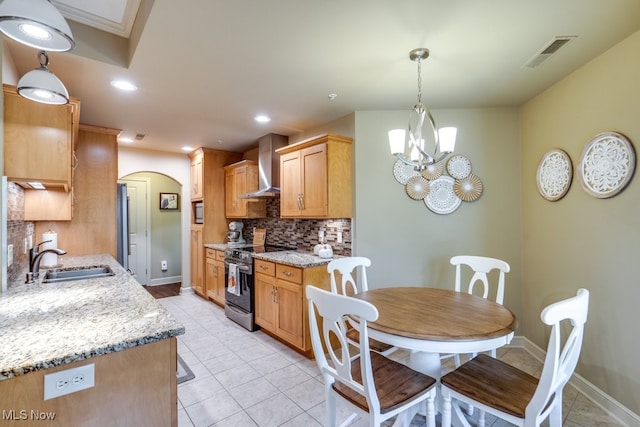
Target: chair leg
<point x="331" y="407"/>
<point x="446" y="408"/>
<point x="431" y="411"/>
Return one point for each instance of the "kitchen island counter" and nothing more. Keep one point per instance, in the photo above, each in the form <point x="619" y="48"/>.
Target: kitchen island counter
<point x="48" y="325"/>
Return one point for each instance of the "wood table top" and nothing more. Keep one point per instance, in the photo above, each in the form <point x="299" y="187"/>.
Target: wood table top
<point x="438" y="314"/>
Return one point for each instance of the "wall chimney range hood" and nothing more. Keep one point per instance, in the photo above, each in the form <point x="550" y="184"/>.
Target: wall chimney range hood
<point x="268" y="167"/>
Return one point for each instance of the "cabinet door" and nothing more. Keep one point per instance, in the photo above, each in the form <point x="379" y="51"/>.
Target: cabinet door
<point x="230" y="193"/>
<point x="220" y="289"/>
<point x="38" y="141"/>
<point x="290" y="324"/>
<point x="197" y="260"/>
<point x="290" y="180"/>
<point x="196" y="177"/>
<point x="211" y="279"/>
<point x="235" y="185"/>
<point x="265" y="287"/>
<point x="314" y="180"/>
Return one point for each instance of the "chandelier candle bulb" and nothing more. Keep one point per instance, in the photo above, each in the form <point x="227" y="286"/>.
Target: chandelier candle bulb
<point x="447" y="138"/>
<point x="396" y="141"/>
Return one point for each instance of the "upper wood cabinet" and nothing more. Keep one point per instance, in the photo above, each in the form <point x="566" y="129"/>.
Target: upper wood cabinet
<point x="39" y="140"/>
<point x="196" y="174"/>
<point x="315" y="178"/>
<point x="242" y="178"/>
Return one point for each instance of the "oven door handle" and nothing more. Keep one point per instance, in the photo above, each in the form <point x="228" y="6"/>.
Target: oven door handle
<point x="241" y="267"/>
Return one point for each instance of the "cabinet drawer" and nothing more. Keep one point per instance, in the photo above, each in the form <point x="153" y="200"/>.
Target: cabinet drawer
<point x="211" y="253"/>
<point x="220" y="255"/>
<point x="288" y="273"/>
<point x="265" y="267"/>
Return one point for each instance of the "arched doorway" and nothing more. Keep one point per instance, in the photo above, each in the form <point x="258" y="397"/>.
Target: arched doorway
<point x="155" y="252"/>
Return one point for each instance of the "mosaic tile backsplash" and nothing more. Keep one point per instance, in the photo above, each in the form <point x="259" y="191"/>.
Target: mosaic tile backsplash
<point x="17" y="231"/>
<point x="300" y="233"/>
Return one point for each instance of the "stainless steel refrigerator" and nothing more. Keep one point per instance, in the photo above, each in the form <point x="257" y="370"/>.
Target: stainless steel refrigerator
<point x="123" y="226"/>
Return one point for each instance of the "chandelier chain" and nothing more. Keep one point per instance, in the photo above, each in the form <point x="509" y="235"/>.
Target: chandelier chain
<point x="419" y="81"/>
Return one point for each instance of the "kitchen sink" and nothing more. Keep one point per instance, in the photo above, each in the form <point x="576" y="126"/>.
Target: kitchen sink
<point x="77" y="273"/>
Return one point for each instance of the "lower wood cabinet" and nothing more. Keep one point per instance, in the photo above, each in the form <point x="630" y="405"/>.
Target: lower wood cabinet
<point x="280" y="302"/>
<point x="197" y="260"/>
<point x="214" y="276"/>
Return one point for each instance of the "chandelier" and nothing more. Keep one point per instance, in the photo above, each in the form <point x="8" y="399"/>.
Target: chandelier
<point x="414" y="152"/>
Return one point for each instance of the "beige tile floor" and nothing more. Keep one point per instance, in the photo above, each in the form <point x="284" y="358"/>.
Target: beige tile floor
<point x="249" y="379"/>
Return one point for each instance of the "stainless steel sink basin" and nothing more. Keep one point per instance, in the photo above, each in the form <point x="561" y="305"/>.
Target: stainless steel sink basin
<point x="79" y="273"/>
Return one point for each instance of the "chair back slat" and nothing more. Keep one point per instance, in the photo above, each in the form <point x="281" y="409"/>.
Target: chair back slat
<point x="481" y="266"/>
<point x="334" y="309"/>
<point x="346" y="267"/>
<point x="560" y="361"/>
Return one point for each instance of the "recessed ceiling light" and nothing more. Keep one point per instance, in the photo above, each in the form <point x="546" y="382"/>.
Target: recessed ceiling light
<point x="332" y="96"/>
<point x="125" y="139"/>
<point x="187" y="148"/>
<point x="261" y="118"/>
<point x="124" y="85"/>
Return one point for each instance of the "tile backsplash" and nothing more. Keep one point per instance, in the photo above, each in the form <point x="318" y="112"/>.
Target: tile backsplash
<point x="17" y="231"/>
<point x="300" y="233"/>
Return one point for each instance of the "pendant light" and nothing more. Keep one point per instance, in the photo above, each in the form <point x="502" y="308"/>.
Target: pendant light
<point x="413" y="151"/>
<point x="42" y="85"/>
<point x="36" y="23"/>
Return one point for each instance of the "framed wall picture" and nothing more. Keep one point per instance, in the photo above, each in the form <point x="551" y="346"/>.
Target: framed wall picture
<point x="168" y="201"/>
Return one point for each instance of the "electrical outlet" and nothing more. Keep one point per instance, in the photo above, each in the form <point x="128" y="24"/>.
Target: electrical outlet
<point x="163" y="265"/>
<point x="9" y="255"/>
<point x="29" y="242"/>
<point x="25" y="248"/>
<point x="69" y="381"/>
<point x="339" y="236"/>
<point x="321" y="235"/>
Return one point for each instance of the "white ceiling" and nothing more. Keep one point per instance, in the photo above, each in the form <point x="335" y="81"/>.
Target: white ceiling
<point x="205" y="67"/>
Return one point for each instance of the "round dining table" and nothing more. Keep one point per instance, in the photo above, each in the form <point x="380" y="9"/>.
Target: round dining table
<point x="431" y="321"/>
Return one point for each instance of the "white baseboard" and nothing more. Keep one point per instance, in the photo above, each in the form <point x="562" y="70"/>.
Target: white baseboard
<point x="165" y="280"/>
<point x="186" y="290"/>
<point x="590" y="391"/>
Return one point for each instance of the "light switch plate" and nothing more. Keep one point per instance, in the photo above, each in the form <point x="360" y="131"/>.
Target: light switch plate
<point x="9" y="255"/>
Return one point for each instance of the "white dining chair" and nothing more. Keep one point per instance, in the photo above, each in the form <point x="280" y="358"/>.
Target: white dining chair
<point x="370" y="384"/>
<point x="344" y="272"/>
<point x="511" y="394"/>
<point x="480" y="267"/>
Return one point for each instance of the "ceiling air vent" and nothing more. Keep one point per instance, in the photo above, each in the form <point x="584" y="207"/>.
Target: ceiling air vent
<point x="545" y="53"/>
<point x="139" y="136"/>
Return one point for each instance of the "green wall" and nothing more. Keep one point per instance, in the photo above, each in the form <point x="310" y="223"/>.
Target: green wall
<point x="581" y="241"/>
<point x="165" y="230"/>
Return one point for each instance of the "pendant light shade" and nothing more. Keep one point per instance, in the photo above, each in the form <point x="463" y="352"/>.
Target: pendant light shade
<point x="41" y="85"/>
<point x="36" y="23"/>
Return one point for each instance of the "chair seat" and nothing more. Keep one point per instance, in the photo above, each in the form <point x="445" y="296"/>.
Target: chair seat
<point x="493" y="383"/>
<point x="374" y="345"/>
<point x="395" y="383"/>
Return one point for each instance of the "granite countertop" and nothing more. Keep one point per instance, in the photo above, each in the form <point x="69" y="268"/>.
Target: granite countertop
<point x="47" y="325"/>
<point x="293" y="258"/>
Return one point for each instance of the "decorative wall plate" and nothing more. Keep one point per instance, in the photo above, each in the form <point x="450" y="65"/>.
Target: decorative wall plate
<point x="554" y="175"/>
<point x="402" y="172"/>
<point x="459" y="167"/>
<point x="441" y="198"/>
<point x="433" y="171"/>
<point x="606" y="165"/>
<point x="468" y="189"/>
<point x="417" y="187"/>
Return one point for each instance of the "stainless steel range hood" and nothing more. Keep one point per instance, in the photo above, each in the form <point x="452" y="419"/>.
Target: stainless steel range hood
<point x="268" y="167"/>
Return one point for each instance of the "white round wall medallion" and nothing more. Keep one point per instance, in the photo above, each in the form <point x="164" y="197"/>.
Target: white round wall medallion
<point x="554" y="175"/>
<point x="606" y="165"/>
